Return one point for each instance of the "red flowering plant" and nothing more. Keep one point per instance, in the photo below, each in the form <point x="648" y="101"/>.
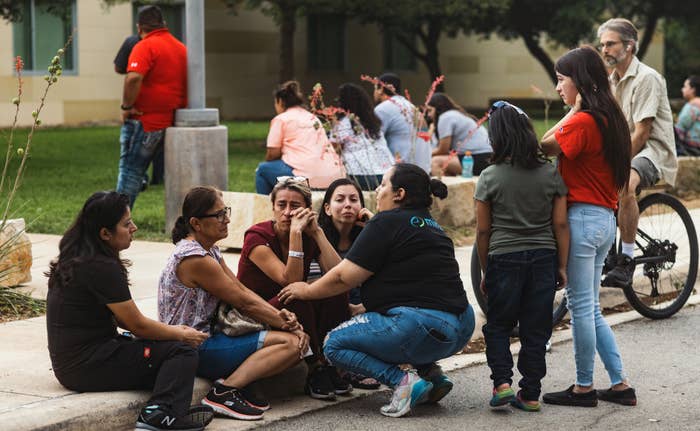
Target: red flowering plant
<point x="11" y="234"/>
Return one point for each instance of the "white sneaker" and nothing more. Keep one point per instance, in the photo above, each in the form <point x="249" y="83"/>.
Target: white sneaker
<point x="411" y="391"/>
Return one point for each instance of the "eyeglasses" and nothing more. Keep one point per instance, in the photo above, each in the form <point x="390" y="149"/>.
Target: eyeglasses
<point x="608" y="44"/>
<point x="292" y="179"/>
<point x="220" y="215"/>
<point x="500" y="104"/>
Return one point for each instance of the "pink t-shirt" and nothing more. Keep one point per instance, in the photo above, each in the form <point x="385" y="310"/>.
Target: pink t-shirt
<point x="305" y="147"/>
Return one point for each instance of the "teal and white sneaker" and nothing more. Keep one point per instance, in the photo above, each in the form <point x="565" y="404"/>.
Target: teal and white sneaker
<point x="441" y="387"/>
<point x="411" y="391"/>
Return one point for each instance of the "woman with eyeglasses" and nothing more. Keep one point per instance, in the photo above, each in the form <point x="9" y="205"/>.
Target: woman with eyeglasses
<point x="417" y="310"/>
<point x="89" y="297"/>
<point x="593" y="144"/>
<point x="278" y="252"/>
<point x="456" y="130"/>
<point x="193" y="283"/>
<point x="523" y="244"/>
<point x="296" y="144"/>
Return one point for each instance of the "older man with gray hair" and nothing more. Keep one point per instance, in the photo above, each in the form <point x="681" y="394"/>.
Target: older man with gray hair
<point x="641" y="93"/>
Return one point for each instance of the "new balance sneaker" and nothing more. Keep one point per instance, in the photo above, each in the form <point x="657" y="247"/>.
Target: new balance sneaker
<point x="157" y="418"/>
<point x="230" y="402"/>
<point x="570" y="398"/>
<point x="441" y="384"/>
<point x="251" y="396"/>
<point x="411" y="391"/>
<point x="319" y="385"/>
<point x="625" y="397"/>
<point x="340" y="385"/>
<point x="621" y="275"/>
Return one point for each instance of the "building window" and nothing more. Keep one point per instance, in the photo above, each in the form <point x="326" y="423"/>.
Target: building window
<point x="396" y="55"/>
<point x="42" y="30"/>
<point x="326" y="42"/>
<point x="173" y="14"/>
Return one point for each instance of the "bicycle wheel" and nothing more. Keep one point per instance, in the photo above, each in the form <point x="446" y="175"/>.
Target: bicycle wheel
<point x="559" y="306"/>
<point x="666" y="255"/>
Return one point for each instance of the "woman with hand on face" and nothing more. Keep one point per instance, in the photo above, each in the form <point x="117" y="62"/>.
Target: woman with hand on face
<point x="278" y="252"/>
<point x="193" y="283"/>
<point x="89" y="297"/>
<point x="417" y="311"/>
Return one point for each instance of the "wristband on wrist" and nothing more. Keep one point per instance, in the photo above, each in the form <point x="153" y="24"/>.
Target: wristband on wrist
<point x="126" y="108"/>
<point x="297" y="254"/>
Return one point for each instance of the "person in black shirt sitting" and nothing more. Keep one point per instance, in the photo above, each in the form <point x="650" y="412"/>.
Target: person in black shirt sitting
<point x="417" y="310"/>
<point x="89" y="295"/>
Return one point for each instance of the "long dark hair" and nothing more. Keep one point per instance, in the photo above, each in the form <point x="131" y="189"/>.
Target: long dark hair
<point x="198" y="201"/>
<point x="419" y="187"/>
<point x="443" y="103"/>
<point x="586" y="69"/>
<point x="354" y="99"/>
<point x="289" y="94"/>
<point x="326" y="222"/>
<point x="513" y="138"/>
<point x="82" y="240"/>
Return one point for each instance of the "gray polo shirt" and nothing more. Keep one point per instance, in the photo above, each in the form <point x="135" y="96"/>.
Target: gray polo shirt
<point x="466" y="134"/>
<point x="398" y="115"/>
<point x="641" y="94"/>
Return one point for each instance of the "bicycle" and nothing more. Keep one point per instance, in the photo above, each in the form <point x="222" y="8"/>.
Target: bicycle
<point x="665" y="255"/>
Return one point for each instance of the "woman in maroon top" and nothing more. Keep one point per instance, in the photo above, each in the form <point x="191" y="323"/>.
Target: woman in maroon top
<point x="278" y="252"/>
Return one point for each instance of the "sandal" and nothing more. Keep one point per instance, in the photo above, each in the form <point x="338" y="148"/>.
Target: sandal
<point x="361" y="382"/>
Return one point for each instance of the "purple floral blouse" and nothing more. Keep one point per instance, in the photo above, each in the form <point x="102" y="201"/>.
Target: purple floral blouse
<point x="182" y="305"/>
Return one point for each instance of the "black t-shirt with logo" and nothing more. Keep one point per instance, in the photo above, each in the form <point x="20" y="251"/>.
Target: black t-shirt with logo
<point x="413" y="262"/>
<point x="81" y="328"/>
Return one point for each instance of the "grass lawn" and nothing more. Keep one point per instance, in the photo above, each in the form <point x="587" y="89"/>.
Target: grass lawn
<point x="66" y="165"/>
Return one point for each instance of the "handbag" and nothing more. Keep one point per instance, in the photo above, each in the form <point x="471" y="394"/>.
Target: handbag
<point x="233" y="323"/>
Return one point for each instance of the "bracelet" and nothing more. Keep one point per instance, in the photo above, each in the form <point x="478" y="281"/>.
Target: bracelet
<point x="126" y="108"/>
<point x="297" y="254"/>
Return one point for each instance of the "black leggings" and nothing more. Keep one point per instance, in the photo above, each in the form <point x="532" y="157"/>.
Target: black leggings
<point x="481" y="162"/>
<point x="167" y="367"/>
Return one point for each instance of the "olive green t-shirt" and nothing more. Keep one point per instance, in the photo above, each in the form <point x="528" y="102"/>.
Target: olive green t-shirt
<point x="521" y="205"/>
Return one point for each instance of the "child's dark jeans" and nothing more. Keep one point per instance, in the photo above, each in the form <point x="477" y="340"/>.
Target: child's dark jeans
<point x="520" y="288"/>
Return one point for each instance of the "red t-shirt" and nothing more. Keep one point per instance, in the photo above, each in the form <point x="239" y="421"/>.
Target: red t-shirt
<point x="582" y="163"/>
<point x="162" y="61"/>
<point x="263" y="234"/>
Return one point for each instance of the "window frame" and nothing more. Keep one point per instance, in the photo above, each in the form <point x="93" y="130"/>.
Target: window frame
<point x="311" y="61"/>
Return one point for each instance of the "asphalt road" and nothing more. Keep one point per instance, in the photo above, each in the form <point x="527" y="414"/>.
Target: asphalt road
<point x="662" y="359"/>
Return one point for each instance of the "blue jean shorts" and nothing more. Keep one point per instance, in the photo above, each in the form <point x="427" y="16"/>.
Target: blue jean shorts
<point x="220" y="355"/>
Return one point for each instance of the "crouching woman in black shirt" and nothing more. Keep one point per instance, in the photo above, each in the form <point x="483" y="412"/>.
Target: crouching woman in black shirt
<point x="89" y="295"/>
<point x="417" y="310"/>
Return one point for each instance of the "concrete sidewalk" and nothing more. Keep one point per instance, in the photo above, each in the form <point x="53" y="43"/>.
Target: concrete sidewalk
<point x="32" y="399"/>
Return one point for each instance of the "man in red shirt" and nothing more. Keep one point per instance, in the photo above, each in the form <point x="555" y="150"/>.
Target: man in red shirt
<point x="154" y="87"/>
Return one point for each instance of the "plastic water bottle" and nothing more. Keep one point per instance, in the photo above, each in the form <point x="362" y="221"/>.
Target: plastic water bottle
<point x="467" y="165"/>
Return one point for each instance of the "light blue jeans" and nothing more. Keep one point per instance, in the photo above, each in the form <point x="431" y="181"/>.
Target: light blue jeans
<point x="266" y="175"/>
<point x="374" y="344"/>
<point x="137" y="150"/>
<point x="592" y="234"/>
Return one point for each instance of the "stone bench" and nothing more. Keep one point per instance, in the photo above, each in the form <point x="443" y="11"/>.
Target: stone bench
<point x="455" y="211"/>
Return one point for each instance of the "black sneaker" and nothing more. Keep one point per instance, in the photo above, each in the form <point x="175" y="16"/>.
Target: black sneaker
<point x="625" y="397"/>
<point x="156" y="418"/>
<point x="255" y="399"/>
<point x="319" y="385"/>
<point x="229" y="402"/>
<point x="570" y="398"/>
<point x="621" y="275"/>
<point x="340" y="385"/>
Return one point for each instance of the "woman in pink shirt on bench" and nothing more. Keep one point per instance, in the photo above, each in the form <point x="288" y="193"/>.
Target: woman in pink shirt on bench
<point x="296" y="145"/>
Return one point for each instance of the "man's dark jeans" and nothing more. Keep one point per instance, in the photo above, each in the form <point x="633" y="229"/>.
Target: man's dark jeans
<point x="520" y="289"/>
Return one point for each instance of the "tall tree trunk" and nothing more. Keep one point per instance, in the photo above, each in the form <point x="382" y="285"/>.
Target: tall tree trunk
<point x="649" y="29"/>
<point x="288" y="26"/>
<point x="533" y="45"/>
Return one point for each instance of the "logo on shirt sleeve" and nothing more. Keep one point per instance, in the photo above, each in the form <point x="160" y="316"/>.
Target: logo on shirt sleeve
<point x="134" y="64"/>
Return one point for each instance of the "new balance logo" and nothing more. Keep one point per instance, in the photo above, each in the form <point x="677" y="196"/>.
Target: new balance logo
<point x="134" y="63"/>
<point x="167" y="420"/>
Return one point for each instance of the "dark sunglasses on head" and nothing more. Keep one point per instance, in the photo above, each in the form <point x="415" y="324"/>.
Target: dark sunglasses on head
<point x="501" y="103"/>
<point x="220" y="215"/>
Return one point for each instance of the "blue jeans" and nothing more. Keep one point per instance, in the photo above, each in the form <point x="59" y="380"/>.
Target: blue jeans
<point x="374" y="344"/>
<point x="266" y="175"/>
<point x="220" y="355"/>
<point x="520" y="288"/>
<point x="592" y="233"/>
<point x="137" y="150"/>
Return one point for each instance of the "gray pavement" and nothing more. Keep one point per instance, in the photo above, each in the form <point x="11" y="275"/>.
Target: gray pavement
<point x="661" y="358"/>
